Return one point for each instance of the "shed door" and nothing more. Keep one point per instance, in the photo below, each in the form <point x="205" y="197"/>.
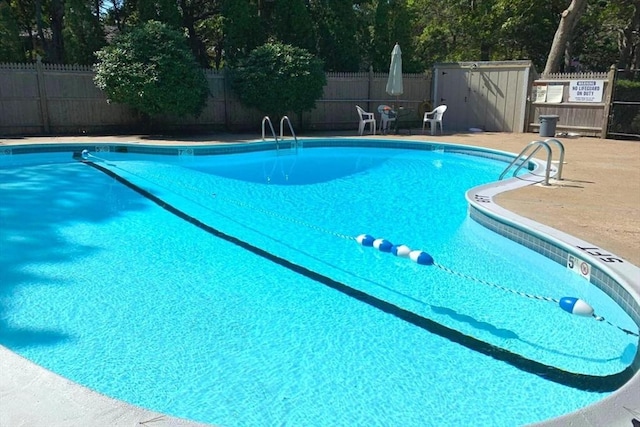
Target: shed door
<point x="451" y="89"/>
<point x="492" y="99"/>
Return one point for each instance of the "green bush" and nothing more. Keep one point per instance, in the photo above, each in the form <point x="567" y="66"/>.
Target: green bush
<point x="626" y="118"/>
<point x="277" y="79"/>
<point x="152" y="69"/>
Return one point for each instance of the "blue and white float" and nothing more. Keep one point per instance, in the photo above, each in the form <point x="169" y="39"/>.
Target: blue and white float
<point x="401" y="250"/>
<point x="576" y="306"/>
<point x="569" y="304"/>
<point x="421" y="257"/>
<point x="365" y="239"/>
<point x="382" y="245"/>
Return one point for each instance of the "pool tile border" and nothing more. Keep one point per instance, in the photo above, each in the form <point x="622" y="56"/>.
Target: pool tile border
<point x="613" y="275"/>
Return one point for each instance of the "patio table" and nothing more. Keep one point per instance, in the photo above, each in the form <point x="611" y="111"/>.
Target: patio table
<point x="403" y="119"/>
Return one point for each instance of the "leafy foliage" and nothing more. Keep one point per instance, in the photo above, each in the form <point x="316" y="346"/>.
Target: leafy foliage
<point x="348" y="35"/>
<point x="277" y="78"/>
<point x="604" y="33"/>
<point x="242" y="28"/>
<point x="152" y="70"/>
<point x="626" y="118"/>
<point x="493" y="30"/>
<point x="82" y="33"/>
<point x="336" y="26"/>
<point x="10" y="48"/>
<point x="293" y="24"/>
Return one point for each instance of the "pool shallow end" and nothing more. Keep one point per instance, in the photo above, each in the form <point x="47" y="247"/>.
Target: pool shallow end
<point x="621" y="280"/>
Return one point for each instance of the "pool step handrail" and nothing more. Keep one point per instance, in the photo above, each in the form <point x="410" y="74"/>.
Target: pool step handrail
<point x="295" y="138"/>
<point x="561" y="158"/>
<point x="536" y="146"/>
<point x="266" y="120"/>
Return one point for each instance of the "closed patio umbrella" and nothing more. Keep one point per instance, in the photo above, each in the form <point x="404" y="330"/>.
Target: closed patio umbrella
<point x="394" y="83"/>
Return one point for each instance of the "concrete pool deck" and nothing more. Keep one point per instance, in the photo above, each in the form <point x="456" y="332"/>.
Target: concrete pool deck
<point x="598" y="201"/>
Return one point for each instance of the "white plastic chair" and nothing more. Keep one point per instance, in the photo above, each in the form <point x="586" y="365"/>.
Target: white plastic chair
<point x="364" y="119"/>
<point x="386" y="115"/>
<point x="434" y="118"/>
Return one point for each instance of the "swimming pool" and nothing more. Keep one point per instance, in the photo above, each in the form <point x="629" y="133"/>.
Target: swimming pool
<point x="343" y="356"/>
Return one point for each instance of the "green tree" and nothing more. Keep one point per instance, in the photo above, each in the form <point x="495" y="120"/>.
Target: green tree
<point x="210" y="40"/>
<point x="202" y="22"/>
<point x="165" y="11"/>
<point x="11" y="47"/>
<point x="525" y="29"/>
<point x="608" y="33"/>
<point x="55" y="52"/>
<point x="276" y="79"/>
<point x="242" y="29"/>
<point x="292" y="24"/>
<point x="152" y="70"/>
<point x="337" y="34"/>
<point x="82" y="33"/>
<point x="495" y="30"/>
<point x="382" y="39"/>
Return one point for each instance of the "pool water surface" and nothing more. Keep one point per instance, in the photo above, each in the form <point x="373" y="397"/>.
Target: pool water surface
<point x="176" y="319"/>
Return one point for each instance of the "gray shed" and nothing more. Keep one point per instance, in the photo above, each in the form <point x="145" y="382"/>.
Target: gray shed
<point x="491" y="96"/>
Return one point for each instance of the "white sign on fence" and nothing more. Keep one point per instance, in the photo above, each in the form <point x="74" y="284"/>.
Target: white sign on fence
<point x="554" y="93"/>
<point x="540" y="93"/>
<point x="586" y="90"/>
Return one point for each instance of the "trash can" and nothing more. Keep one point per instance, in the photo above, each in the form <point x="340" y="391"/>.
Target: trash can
<point x="548" y="124"/>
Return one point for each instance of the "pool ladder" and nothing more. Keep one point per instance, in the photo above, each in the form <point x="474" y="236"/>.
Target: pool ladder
<point x="266" y="120"/>
<point x="536" y="146"/>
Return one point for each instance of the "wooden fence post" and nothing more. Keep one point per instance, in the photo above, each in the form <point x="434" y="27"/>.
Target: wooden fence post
<point x="42" y="94"/>
<point x="369" y="87"/>
<point x="225" y="95"/>
<point x="608" y="99"/>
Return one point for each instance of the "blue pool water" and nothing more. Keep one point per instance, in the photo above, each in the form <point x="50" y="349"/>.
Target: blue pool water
<point x="105" y="287"/>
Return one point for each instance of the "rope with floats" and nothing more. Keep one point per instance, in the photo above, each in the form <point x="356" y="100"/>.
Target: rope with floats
<point x="571" y="305"/>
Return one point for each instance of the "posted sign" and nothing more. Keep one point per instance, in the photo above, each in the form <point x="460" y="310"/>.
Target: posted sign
<point x="586" y="90"/>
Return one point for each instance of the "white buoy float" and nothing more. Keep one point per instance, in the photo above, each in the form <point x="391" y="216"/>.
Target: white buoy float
<point x="576" y="306"/>
<point x="382" y="245"/>
<point x="421" y="257"/>
<point x="365" y="240"/>
<point x="85" y="154"/>
<point x="401" y="250"/>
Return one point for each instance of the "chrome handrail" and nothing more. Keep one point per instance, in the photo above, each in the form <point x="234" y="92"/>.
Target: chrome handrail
<point x="266" y="119"/>
<point x="295" y="138"/>
<point x="561" y="159"/>
<point x="538" y="145"/>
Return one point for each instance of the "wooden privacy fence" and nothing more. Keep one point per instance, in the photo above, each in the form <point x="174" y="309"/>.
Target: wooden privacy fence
<point x="50" y="99"/>
<point x="580" y="100"/>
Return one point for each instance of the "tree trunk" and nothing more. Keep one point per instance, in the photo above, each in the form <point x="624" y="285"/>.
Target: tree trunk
<point x="39" y="28"/>
<point x="568" y="21"/>
<point x="626" y="46"/>
<point x="57" y="16"/>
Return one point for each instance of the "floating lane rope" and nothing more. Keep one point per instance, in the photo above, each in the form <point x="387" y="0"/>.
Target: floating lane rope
<point x="571" y="305"/>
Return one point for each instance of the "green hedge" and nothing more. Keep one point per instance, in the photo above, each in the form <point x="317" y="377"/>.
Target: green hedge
<point x="626" y="118"/>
